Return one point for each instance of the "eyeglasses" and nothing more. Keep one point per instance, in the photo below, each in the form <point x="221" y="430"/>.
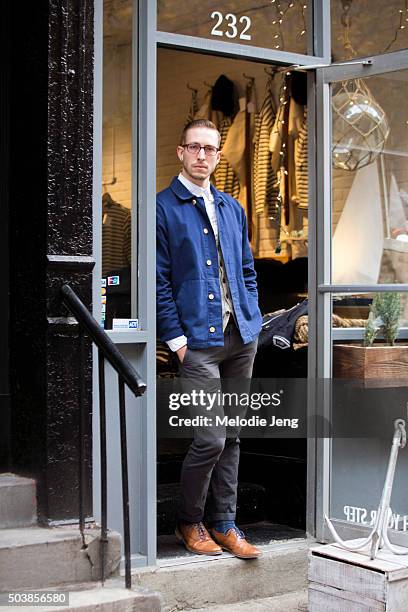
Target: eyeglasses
<point x="194" y="148"/>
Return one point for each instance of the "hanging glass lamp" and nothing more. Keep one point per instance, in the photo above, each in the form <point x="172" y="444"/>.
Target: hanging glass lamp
<point x="360" y="127"/>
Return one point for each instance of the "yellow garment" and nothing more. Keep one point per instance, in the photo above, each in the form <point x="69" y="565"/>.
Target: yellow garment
<point x="234" y="147"/>
<point x="206" y="112"/>
<point x="275" y="144"/>
<point x="234" y="151"/>
<point x="224" y="175"/>
<point x="299" y="152"/>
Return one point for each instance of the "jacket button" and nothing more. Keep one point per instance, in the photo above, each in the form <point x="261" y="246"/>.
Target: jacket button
<point x="208" y="262"/>
<point x="212" y="329"/>
<point x="194" y="202"/>
<point x="205" y="230"/>
<point x="210" y="296"/>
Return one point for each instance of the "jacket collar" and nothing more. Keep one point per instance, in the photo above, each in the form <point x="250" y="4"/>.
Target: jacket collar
<point x="185" y="195"/>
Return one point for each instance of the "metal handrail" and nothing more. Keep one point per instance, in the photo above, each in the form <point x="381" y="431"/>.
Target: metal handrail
<point x="126" y="374"/>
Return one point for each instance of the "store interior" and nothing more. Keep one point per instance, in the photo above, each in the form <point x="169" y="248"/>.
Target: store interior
<point x="261" y="112"/>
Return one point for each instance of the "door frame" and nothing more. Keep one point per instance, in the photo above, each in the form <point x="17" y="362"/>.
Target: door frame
<point x="140" y="346"/>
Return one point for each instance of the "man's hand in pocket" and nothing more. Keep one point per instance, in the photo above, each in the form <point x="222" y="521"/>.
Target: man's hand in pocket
<point x="181" y="353"/>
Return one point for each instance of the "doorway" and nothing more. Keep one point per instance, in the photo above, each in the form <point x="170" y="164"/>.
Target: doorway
<point x="273" y="472"/>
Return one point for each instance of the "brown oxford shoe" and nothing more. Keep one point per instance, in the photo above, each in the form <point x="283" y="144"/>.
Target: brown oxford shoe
<point x="234" y="542"/>
<point x="196" y="539"/>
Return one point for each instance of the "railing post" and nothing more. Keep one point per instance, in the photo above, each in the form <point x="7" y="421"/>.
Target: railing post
<point x="102" y="443"/>
<point x="125" y="483"/>
<point x="82" y="429"/>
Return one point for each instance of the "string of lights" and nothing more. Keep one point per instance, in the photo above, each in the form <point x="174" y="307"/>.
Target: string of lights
<point x="403" y="18"/>
<point x="346" y="22"/>
<point x="280" y="16"/>
<point x="303" y="9"/>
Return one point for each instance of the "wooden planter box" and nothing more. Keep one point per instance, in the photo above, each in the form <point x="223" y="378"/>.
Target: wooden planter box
<point x="373" y="365"/>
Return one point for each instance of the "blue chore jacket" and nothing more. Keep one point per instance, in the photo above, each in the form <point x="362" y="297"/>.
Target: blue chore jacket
<point x="188" y="286"/>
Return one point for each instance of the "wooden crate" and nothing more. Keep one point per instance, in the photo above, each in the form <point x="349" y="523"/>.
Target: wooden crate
<point x="343" y="581"/>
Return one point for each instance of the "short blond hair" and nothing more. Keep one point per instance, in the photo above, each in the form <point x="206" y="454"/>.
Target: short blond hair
<point x="199" y="123"/>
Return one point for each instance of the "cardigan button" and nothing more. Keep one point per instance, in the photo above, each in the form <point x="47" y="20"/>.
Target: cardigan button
<point x="210" y="296"/>
<point x="205" y="230"/>
<point x="194" y="202"/>
<point x="208" y="262"/>
<point x="212" y="329"/>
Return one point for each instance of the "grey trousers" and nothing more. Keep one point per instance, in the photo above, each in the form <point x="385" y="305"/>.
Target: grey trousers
<point x="209" y="475"/>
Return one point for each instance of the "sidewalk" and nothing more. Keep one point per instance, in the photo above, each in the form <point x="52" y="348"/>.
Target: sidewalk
<point x="290" y="602"/>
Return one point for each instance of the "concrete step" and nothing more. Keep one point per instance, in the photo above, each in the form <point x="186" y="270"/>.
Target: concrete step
<point x="200" y="582"/>
<point x="18" y="505"/>
<point x="290" y="602"/>
<point x="37" y="557"/>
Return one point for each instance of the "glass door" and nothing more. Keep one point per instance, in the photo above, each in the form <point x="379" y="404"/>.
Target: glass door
<point x="267" y="39"/>
<point x="361" y="290"/>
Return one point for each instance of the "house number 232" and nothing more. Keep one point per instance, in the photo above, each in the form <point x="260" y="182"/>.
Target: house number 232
<point x="231" y="21"/>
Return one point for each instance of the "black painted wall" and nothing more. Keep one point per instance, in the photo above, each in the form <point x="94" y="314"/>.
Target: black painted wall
<point x="50" y="243"/>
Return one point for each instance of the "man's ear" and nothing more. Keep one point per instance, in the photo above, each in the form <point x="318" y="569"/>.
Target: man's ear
<point x="180" y="153"/>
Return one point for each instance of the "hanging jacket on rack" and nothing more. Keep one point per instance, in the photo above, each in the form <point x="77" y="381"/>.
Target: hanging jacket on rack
<point x="116" y="235"/>
<point x="224" y="96"/>
<point x="193" y="108"/>
<point x="224" y="176"/>
<point x="266" y="189"/>
<point x="206" y="112"/>
<point x="297" y="143"/>
<point x="224" y="101"/>
<point x="233" y="151"/>
<point x="301" y="164"/>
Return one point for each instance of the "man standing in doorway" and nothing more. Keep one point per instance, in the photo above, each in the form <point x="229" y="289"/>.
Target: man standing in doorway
<point x="207" y="312"/>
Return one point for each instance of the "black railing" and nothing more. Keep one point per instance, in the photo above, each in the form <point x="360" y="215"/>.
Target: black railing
<point x="126" y="375"/>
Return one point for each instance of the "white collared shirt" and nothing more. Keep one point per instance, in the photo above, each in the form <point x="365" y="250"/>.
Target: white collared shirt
<point x="227" y="308"/>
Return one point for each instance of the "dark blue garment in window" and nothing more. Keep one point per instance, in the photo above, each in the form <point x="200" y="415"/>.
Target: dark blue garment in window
<point x="278" y="329"/>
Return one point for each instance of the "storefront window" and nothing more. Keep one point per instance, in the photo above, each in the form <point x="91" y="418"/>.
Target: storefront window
<point x="368" y="27"/>
<point x="370" y="180"/>
<point x="117" y="165"/>
<point x="279" y="24"/>
<point x="368" y="393"/>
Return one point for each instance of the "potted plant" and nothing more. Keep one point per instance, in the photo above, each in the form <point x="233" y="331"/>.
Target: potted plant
<point x="380" y="360"/>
